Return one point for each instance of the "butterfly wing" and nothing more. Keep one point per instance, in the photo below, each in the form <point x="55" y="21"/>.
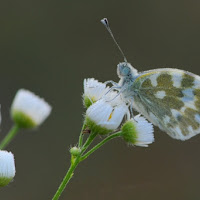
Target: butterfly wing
<point x="170" y="99"/>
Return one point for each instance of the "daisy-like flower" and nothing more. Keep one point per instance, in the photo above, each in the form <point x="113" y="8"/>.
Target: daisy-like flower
<point x="103" y="118"/>
<point x="138" y="131"/>
<point x="93" y="91"/>
<point x="7" y="167"/>
<point x="29" y="110"/>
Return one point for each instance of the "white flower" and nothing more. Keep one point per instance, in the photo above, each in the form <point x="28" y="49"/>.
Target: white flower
<point x="29" y="110"/>
<point x="138" y="131"/>
<point x="7" y="167"/>
<point x="102" y="117"/>
<point x="93" y="91"/>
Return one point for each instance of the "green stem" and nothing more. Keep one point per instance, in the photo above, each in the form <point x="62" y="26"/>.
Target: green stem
<point x="73" y="166"/>
<point x="80" y="142"/>
<point x="88" y="142"/>
<point x="78" y="159"/>
<point x="100" y="144"/>
<point x="66" y="179"/>
<point x="11" y="134"/>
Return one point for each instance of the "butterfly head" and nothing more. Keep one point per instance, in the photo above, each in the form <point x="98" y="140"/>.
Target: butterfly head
<point x="125" y="69"/>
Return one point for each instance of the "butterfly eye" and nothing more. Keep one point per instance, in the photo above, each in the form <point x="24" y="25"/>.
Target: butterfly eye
<point x="123" y="69"/>
<point x="126" y="71"/>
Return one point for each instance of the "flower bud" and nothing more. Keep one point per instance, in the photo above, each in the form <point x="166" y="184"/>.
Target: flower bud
<point x="103" y="118"/>
<point x="93" y="91"/>
<point x="7" y="168"/>
<point x="75" y="151"/>
<point x="138" y="131"/>
<point x="29" y="110"/>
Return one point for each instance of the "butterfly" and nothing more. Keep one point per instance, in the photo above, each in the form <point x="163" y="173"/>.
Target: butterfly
<point x="169" y="98"/>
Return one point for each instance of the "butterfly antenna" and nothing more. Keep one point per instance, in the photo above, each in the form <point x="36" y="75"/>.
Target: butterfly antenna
<point x="104" y="21"/>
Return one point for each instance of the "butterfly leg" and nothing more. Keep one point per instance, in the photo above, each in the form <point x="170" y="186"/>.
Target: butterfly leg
<point x="131" y="107"/>
<point x="112" y="82"/>
<point x="115" y="96"/>
<point x="113" y="88"/>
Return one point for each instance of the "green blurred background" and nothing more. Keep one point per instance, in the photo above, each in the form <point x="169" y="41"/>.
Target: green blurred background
<point x="49" y="47"/>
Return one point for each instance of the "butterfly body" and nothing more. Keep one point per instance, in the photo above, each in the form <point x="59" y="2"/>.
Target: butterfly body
<point x="169" y="98"/>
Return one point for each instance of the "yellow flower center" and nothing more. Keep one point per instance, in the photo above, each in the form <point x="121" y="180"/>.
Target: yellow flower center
<point x="110" y="116"/>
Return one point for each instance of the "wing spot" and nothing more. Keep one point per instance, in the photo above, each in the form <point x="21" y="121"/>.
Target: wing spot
<point x="190" y="113"/>
<point x="190" y="104"/>
<point x="147" y="83"/>
<point x="183" y="109"/>
<point x="187" y="81"/>
<point x="179" y="117"/>
<point x="188" y="94"/>
<point x="153" y="79"/>
<point x="172" y="102"/>
<point x="197" y="118"/>
<point x="164" y="80"/>
<point x="177" y="79"/>
<point x="160" y="94"/>
<point x="166" y="119"/>
<point x="175" y="113"/>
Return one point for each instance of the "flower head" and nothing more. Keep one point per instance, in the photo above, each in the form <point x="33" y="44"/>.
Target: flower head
<point x="29" y="110"/>
<point x="75" y="151"/>
<point x="138" y="131"/>
<point x="93" y="91"/>
<point x="102" y="117"/>
<point x="7" y="167"/>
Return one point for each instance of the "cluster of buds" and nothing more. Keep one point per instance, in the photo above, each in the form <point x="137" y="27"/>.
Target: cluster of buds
<point x="27" y="111"/>
<point x="108" y="112"/>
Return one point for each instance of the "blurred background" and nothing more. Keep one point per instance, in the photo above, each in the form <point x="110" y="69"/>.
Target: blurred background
<point x="49" y="47"/>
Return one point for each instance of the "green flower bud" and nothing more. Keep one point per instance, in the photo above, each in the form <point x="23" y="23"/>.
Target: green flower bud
<point x="129" y="132"/>
<point x="75" y="151"/>
<point x="138" y="131"/>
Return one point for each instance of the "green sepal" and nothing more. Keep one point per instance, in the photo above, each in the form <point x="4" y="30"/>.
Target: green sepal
<point x="4" y="181"/>
<point x="22" y="120"/>
<point x="87" y="101"/>
<point x="96" y="128"/>
<point x="129" y="132"/>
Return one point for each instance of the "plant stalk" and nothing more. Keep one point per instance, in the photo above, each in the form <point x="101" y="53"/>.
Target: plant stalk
<point x="9" y="137"/>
